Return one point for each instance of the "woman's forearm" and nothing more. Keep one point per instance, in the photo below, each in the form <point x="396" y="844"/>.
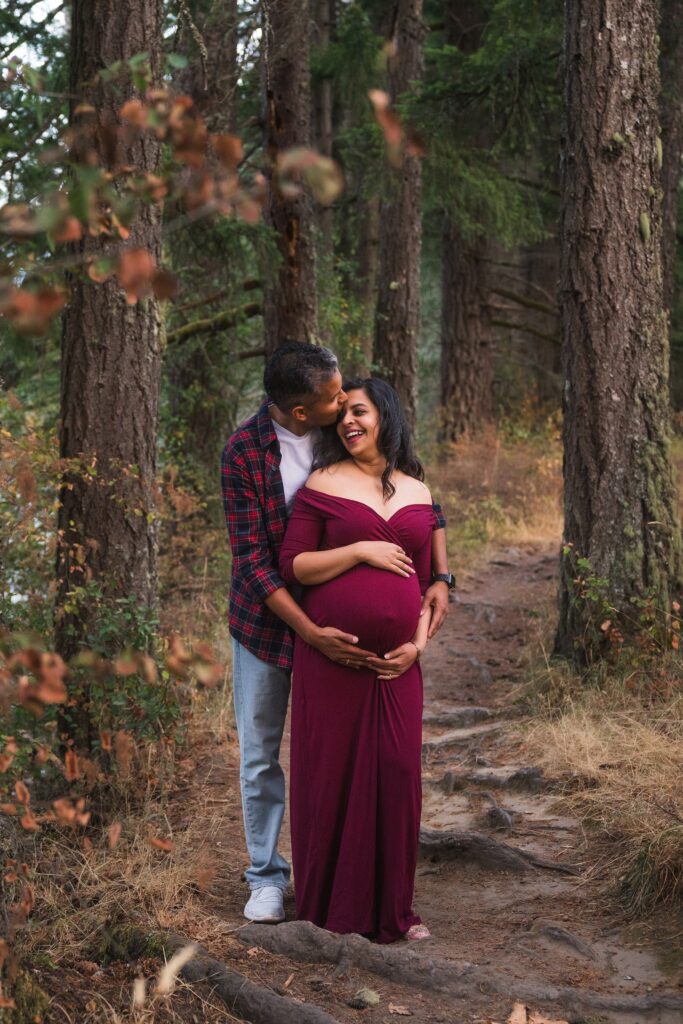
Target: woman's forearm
<point x="311" y="567"/>
<point x="422" y="631"/>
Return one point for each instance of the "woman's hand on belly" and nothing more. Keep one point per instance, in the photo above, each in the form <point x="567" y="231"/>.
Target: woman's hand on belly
<point x="382" y="554"/>
<point x="396" y="662"/>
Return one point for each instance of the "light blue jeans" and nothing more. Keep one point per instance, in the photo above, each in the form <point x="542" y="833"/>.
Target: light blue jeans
<point x="261" y="694"/>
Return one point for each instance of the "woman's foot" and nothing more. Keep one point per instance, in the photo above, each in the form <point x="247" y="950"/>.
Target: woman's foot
<point x="417" y="932"/>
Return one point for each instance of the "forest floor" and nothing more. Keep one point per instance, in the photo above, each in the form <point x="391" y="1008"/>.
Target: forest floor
<point x="524" y="926"/>
<point x="532" y="927"/>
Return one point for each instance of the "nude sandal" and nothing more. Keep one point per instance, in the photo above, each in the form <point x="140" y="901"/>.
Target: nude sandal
<point x="417" y="932"/>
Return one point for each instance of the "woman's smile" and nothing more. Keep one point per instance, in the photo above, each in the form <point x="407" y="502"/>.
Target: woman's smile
<point x="359" y="421"/>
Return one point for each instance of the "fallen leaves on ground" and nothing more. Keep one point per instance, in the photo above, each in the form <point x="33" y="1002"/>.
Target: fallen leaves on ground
<point x="521" y="1014"/>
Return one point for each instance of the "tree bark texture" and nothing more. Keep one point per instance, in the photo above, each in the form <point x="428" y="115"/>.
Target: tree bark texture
<point x="111" y="351"/>
<point x="671" y="113"/>
<point x="467" y="353"/>
<point x="466" y="349"/>
<point x="397" y="320"/>
<point x="211" y="76"/>
<point x="323" y="134"/>
<point x="210" y="79"/>
<point x="619" y="491"/>
<point x="290" y="296"/>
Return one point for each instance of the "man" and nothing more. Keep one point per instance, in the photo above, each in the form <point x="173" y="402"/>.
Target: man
<point x="264" y="464"/>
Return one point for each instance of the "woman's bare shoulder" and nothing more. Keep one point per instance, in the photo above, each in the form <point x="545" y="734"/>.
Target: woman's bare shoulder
<point x="330" y="480"/>
<point x="413" y="490"/>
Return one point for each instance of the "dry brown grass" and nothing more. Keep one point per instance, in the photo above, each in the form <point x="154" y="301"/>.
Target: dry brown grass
<point x="619" y="750"/>
<point x="497" y="494"/>
<point x="84" y="898"/>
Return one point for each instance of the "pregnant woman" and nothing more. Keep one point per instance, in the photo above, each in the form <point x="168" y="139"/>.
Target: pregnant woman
<point x="359" y="539"/>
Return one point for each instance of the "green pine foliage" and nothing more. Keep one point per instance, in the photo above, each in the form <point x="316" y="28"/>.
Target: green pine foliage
<point x="490" y="119"/>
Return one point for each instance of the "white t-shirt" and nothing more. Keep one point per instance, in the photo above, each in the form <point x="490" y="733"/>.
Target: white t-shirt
<point x="297" y="459"/>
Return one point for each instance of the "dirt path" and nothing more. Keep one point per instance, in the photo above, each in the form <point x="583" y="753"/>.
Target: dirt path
<point x="504" y="927"/>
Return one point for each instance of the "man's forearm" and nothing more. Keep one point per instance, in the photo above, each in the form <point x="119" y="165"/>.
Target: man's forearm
<point x="282" y="604"/>
<point x="439" y="553"/>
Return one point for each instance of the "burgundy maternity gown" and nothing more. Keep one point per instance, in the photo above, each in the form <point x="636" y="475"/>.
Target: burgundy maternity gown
<point x="355" y="789"/>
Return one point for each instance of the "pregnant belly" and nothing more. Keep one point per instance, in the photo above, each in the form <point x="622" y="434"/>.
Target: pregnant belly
<point x="379" y="607"/>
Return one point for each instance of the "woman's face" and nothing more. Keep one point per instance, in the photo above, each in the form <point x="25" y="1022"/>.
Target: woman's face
<point x="358" y="425"/>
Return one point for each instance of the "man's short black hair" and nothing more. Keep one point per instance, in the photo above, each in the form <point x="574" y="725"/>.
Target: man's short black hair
<point x="294" y="373"/>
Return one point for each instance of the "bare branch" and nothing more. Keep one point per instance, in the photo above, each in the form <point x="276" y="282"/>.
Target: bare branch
<point x="527" y="329"/>
<point x="219" y="322"/>
<point x="524" y="300"/>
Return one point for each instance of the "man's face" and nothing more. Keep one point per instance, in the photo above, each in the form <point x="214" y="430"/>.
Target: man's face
<point x="324" y="409"/>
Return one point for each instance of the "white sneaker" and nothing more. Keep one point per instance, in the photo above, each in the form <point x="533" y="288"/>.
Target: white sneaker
<point x="265" y="905"/>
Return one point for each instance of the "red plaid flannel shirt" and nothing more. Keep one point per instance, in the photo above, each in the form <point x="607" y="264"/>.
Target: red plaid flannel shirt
<point x="256" y="515"/>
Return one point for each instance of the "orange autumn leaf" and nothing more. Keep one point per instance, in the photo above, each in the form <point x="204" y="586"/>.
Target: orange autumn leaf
<point x="5" y="761"/>
<point x="66" y="812"/>
<point x="105" y="740"/>
<point x="164" y="284"/>
<point x="69" y="231"/>
<point x="113" y="834"/>
<point x="72" y="769"/>
<point x="135" y="270"/>
<point x="387" y="119"/>
<point x="228" y="150"/>
<point x="125" y="665"/>
<point x="135" y="112"/>
<point x="161" y="844"/>
<point x="32" y="311"/>
<point x="50" y="688"/>
<point x="22" y="793"/>
<point x="29" y="822"/>
<point x="8" y="808"/>
<point x="124" y="748"/>
<point x="148" y="668"/>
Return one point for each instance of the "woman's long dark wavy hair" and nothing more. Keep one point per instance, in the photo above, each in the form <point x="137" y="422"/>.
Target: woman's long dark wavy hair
<point x="394" y="441"/>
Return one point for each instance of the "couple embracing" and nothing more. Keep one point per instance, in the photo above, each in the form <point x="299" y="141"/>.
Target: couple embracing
<point x="339" y="580"/>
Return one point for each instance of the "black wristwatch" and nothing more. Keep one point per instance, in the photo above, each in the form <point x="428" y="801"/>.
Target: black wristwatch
<point x="444" y="577"/>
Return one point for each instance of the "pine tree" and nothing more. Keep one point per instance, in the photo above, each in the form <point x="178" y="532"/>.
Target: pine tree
<point x="621" y="536"/>
<point x="111" y="351"/>
<point x="397" y="321"/>
<point x="289" y="298"/>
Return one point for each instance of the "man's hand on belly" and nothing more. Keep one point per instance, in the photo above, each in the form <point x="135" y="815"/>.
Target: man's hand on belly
<point x="339" y="646"/>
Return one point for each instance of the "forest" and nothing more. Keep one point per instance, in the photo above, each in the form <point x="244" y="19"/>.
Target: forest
<point x="480" y="202"/>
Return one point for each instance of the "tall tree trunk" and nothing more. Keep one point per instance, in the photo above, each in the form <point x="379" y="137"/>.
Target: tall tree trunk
<point x="111" y="352"/>
<point x="466" y="349"/>
<point x="210" y="79"/>
<point x="289" y="298"/>
<point x="671" y="112"/>
<point x="619" y="493"/>
<point x="365" y="278"/>
<point x="397" y="321"/>
<point x="211" y="75"/>
<point x="323" y="18"/>
<point x="467" y="353"/>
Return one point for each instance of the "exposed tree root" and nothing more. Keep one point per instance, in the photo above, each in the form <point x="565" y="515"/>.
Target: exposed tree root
<point x="243" y="997"/>
<point x="485" y="851"/>
<point x="468" y="734"/>
<point x="400" y="963"/>
<point x="526" y="778"/>
<point x="457" y="718"/>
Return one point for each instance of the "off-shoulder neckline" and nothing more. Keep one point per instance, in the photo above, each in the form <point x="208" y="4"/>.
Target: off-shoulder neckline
<point x="339" y="497"/>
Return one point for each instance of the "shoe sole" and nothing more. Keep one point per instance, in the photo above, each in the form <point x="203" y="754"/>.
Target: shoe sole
<point x="264" y="920"/>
